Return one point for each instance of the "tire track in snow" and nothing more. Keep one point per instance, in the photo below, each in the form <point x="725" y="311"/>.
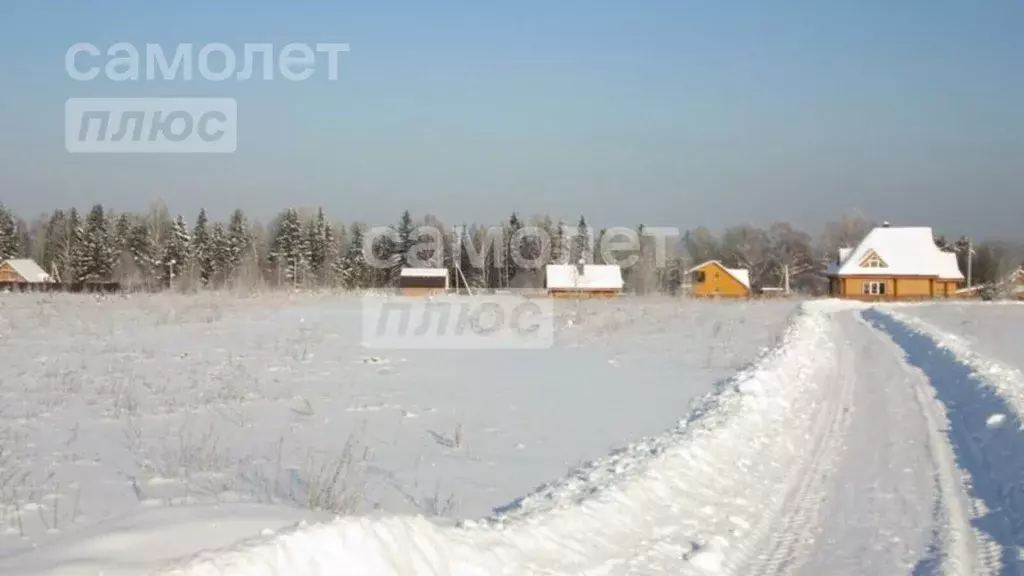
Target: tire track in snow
<point x="793" y="532"/>
<point x="980" y="493"/>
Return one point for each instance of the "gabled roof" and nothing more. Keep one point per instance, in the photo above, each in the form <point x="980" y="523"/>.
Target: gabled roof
<point x="907" y="251"/>
<point x="594" y="277"/>
<point x="740" y="275"/>
<point x="424" y="272"/>
<point x="29" y="270"/>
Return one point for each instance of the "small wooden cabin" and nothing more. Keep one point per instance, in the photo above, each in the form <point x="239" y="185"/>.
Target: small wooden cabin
<point x="423" y="281"/>
<point x="712" y="279"/>
<point x="583" y="280"/>
<point x="23" y="271"/>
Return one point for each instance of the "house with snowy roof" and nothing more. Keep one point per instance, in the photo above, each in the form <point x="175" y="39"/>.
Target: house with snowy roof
<point x="712" y="279"/>
<point x="583" y="280"/>
<point x="423" y="281"/>
<point x="23" y="271"/>
<point x="895" y="263"/>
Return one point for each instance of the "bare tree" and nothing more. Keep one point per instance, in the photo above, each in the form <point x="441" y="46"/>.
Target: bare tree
<point x="845" y="232"/>
<point x="749" y="247"/>
<point x="792" y="253"/>
<point x="700" y="245"/>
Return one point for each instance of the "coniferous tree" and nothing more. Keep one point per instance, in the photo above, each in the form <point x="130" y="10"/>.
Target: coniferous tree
<point x="142" y="252"/>
<point x="513" y="248"/>
<point x="288" y="250"/>
<point x="96" y="254"/>
<point x="10" y="245"/>
<point x="319" y="239"/>
<point x="333" y="267"/>
<point x="56" y="228"/>
<point x="399" y="248"/>
<point x="71" y="248"/>
<point x="122" y="229"/>
<point x="199" y="248"/>
<point x="581" y="244"/>
<point x="239" y="241"/>
<point x="355" y="271"/>
<point x="217" y="255"/>
<point x="174" y="255"/>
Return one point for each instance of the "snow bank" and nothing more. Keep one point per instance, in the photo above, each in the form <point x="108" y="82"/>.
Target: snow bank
<point x="1006" y="380"/>
<point x="688" y="501"/>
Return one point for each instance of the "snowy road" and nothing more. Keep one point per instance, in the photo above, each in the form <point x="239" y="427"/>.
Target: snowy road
<point x="870" y="501"/>
<point x="882" y="492"/>
<point x="860" y="446"/>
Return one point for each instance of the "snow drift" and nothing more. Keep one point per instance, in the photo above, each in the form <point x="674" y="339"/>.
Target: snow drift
<point x="692" y="500"/>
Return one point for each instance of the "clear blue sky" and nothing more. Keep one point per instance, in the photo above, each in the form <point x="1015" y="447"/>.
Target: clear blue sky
<point x="662" y="112"/>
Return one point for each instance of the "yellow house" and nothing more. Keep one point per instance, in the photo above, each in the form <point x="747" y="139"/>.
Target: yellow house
<point x="713" y="279"/>
<point x="895" y="264"/>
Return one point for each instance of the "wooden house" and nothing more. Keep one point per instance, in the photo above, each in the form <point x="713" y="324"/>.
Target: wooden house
<point x="583" y="280"/>
<point x="423" y="281"/>
<point x="712" y="279"/>
<point x="23" y="271"/>
<point x="895" y="263"/>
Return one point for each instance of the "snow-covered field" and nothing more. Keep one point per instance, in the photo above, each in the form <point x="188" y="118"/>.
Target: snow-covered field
<point x="111" y="405"/>
<point x="835" y="439"/>
<point x="991" y="328"/>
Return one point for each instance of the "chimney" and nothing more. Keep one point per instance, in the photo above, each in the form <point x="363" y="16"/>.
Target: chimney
<point x="885" y="224"/>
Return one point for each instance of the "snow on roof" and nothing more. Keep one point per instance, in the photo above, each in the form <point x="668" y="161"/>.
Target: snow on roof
<point x="742" y="276"/>
<point x="29" y="270"/>
<point x="906" y="251"/>
<point x="424" y="272"/>
<point x="594" y="277"/>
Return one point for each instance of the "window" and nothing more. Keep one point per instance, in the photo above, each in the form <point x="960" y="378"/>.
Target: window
<point x="872" y="260"/>
<point x="874" y="288"/>
<point x="698" y="277"/>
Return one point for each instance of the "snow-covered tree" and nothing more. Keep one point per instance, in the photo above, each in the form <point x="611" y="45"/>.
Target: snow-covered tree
<point x="217" y="255"/>
<point x="289" y="252"/>
<point x="142" y="252"/>
<point x="96" y="253"/>
<point x="199" y="249"/>
<point x="398" y="249"/>
<point x="9" y="237"/>
<point x="174" y="255"/>
<point x="791" y="251"/>
<point x="355" y="271"/>
<point x="319" y="238"/>
<point x="239" y="240"/>
<point x="582" y="248"/>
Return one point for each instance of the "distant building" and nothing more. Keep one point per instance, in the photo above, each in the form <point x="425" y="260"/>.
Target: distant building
<point x="423" y="281"/>
<point x="583" y="280"/>
<point x="712" y="279"/>
<point x="23" y="271"/>
<point x="893" y="263"/>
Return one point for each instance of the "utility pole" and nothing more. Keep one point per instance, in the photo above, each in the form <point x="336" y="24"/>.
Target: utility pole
<point x="970" y="257"/>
